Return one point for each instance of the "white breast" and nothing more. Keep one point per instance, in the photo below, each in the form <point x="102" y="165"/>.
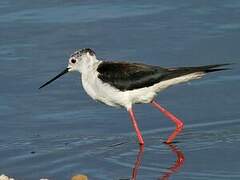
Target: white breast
<point x="103" y="92"/>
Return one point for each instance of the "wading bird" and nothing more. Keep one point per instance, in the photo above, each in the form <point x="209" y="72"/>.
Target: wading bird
<point x="125" y="84"/>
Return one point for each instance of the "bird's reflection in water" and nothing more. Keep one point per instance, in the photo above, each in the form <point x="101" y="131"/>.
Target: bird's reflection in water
<point x="177" y="165"/>
<point x="171" y="170"/>
<point x="137" y="162"/>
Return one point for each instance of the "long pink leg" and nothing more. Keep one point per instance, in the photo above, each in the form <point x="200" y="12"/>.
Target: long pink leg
<point x="135" y="125"/>
<point x="178" y="122"/>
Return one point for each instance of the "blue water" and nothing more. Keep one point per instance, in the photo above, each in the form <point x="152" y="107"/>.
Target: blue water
<point x="59" y="131"/>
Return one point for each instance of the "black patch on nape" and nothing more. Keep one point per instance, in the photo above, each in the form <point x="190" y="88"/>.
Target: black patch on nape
<point x="80" y="52"/>
<point x="87" y="50"/>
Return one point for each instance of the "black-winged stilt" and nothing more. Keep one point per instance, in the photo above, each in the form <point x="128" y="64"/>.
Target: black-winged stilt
<point x="124" y="84"/>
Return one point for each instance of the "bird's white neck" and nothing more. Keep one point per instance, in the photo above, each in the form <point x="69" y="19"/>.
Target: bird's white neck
<point x="89" y="64"/>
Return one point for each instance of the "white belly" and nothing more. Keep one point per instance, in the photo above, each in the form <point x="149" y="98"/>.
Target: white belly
<point x="111" y="96"/>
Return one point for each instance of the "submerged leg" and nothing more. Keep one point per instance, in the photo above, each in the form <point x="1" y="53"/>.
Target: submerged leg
<point x="178" y="122"/>
<point x="135" y="125"/>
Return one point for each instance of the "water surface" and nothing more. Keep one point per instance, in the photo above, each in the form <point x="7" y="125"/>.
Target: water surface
<point x="59" y="131"/>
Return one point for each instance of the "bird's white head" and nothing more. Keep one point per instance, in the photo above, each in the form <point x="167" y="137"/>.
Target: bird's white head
<point x="81" y="60"/>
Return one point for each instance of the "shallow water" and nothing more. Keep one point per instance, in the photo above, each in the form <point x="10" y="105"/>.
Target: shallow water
<point x="59" y="131"/>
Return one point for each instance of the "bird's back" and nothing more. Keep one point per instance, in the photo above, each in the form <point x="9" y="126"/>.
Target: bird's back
<point x="130" y="76"/>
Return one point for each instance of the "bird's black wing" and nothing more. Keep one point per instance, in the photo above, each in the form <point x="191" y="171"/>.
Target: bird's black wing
<point x="128" y="76"/>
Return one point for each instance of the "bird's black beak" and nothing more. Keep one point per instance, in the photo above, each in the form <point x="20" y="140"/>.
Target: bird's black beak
<point x="53" y="79"/>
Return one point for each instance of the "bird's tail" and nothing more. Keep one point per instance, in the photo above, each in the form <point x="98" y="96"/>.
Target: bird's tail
<point x="204" y="69"/>
<point x="215" y="67"/>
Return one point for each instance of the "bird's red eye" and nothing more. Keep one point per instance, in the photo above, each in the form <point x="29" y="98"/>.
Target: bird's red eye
<point x="73" y="61"/>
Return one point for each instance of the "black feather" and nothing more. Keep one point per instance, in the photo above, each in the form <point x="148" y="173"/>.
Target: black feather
<point x="128" y="76"/>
